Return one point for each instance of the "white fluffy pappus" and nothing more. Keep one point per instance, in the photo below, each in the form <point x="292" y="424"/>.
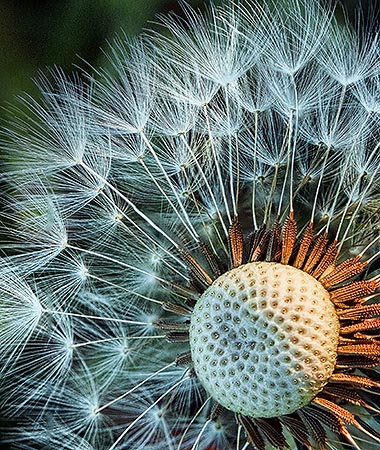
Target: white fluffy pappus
<point x="130" y="191"/>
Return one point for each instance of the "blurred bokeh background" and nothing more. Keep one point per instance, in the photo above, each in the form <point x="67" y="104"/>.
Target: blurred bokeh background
<point x="37" y="34"/>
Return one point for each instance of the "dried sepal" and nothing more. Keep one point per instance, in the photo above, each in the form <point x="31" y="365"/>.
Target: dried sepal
<point x="236" y="243"/>
<point x="252" y="433"/>
<point x="317" y="252"/>
<point x="272" y="431"/>
<point x="289" y="236"/>
<point x="354" y="291"/>
<point x="198" y="272"/>
<point x="343" y="272"/>
<point x="304" y="247"/>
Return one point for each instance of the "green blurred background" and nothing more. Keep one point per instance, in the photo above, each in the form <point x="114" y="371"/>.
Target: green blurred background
<point x="36" y="35"/>
<point x="40" y="34"/>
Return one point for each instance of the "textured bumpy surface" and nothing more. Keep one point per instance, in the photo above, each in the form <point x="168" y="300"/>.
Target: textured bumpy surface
<point x="129" y="193"/>
<point x="263" y="339"/>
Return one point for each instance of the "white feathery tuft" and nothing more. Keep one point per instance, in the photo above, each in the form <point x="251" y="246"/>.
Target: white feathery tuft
<point x="115" y="180"/>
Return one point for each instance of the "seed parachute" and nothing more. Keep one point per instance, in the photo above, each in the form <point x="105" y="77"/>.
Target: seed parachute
<point x="190" y="240"/>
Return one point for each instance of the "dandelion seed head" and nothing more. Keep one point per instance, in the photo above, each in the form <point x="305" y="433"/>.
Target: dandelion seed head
<point x="237" y="327"/>
<point x="190" y="240"/>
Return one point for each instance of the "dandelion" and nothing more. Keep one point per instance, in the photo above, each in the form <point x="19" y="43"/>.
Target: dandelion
<point x="191" y="241"/>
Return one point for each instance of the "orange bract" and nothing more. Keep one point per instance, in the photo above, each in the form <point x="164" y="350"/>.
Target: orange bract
<point x="358" y="348"/>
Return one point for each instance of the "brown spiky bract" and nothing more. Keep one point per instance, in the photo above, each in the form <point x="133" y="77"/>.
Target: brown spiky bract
<point x="317" y="255"/>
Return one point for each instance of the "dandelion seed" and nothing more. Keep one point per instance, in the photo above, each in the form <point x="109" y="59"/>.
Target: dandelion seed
<point x="191" y="241"/>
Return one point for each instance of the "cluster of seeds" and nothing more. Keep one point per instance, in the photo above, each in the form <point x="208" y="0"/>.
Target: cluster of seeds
<point x="190" y="240"/>
<point x="263" y="339"/>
